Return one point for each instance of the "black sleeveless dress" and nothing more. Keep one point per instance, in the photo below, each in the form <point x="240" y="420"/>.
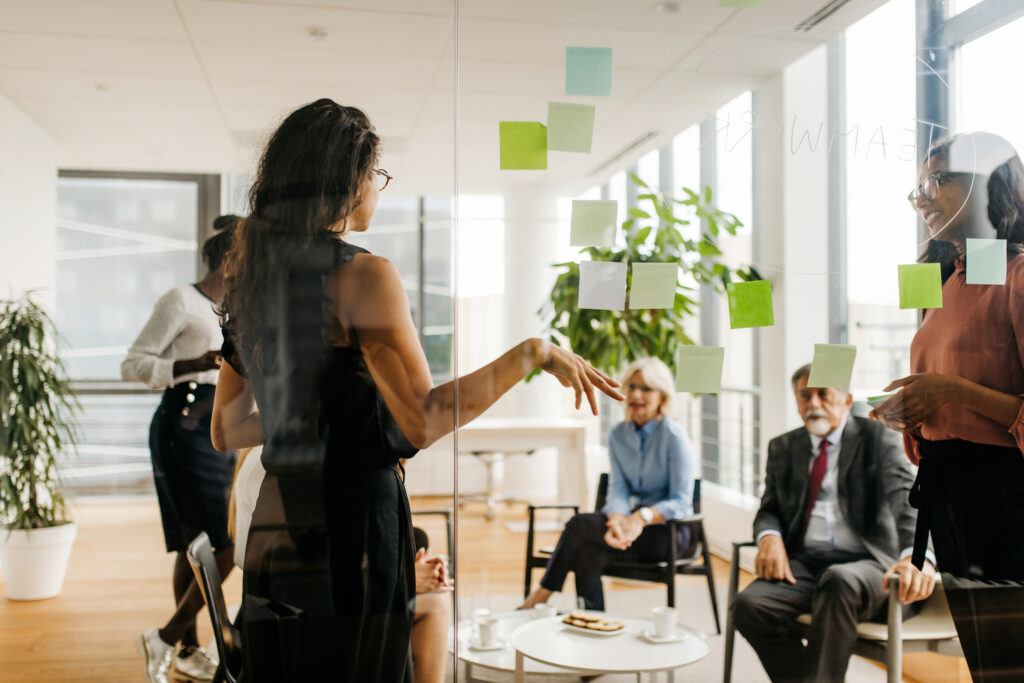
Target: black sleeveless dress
<point x="329" y="584"/>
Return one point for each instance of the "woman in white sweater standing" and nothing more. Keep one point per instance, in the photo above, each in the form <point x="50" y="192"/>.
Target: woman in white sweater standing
<point x="178" y="351"/>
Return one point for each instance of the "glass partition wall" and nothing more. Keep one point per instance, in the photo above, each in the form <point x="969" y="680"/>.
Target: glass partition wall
<point x="718" y="187"/>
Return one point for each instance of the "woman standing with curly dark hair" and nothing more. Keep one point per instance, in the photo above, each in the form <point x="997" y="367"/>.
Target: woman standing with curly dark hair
<point x="324" y="366"/>
<point x="962" y="411"/>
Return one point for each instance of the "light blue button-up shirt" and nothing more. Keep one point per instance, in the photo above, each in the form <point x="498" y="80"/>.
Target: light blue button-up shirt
<point x="652" y="466"/>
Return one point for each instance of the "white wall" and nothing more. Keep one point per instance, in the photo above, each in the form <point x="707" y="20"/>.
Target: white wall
<point x="28" y="205"/>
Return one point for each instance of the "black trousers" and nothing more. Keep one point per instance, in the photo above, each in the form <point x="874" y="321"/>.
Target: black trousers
<point x="582" y="550"/>
<point x="837" y="588"/>
<point x="973" y="496"/>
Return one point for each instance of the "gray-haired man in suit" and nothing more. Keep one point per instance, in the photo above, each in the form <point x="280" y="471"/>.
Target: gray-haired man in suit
<point x="834" y="520"/>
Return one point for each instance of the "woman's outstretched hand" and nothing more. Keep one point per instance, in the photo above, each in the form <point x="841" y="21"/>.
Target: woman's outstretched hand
<point x="920" y="395"/>
<point x="572" y="371"/>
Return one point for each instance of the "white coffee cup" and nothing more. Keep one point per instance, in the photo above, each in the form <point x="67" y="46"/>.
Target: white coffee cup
<point x="664" y="621"/>
<point x="488" y="631"/>
<point x="543" y="609"/>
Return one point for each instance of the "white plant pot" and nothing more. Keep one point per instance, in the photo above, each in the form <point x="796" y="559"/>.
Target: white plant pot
<point x="33" y="562"/>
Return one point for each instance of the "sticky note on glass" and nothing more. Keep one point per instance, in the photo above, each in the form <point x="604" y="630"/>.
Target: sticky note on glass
<point x="699" y="369"/>
<point x="653" y="285"/>
<point x="593" y="222"/>
<point x="570" y="126"/>
<point x="750" y="304"/>
<point x="524" y="145"/>
<point x="920" y="285"/>
<point x="588" y="71"/>
<point x="603" y="285"/>
<point x="986" y="262"/>
<point x="741" y="3"/>
<point x="832" y="366"/>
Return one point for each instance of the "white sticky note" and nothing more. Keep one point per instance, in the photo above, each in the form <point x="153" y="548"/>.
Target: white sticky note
<point x="593" y="222"/>
<point x="832" y="366"/>
<point x="653" y="285"/>
<point x="986" y="261"/>
<point x="699" y="369"/>
<point x="603" y="285"/>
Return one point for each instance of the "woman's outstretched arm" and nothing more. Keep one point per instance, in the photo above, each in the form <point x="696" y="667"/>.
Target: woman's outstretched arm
<point x="376" y="307"/>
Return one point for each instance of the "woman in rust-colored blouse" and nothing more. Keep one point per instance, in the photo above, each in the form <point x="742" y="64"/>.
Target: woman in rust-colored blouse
<point x="961" y="410"/>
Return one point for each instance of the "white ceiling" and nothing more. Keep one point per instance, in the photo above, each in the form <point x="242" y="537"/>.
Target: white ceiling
<point x="196" y="85"/>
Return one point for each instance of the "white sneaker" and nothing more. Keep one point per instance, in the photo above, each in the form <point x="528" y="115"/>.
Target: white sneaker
<point x="195" y="664"/>
<point x="157" y="654"/>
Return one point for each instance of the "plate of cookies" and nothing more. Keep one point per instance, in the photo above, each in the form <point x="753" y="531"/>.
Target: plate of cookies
<point x="592" y="624"/>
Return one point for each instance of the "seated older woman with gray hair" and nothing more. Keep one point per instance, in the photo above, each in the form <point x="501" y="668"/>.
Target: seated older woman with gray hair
<point x="651" y="480"/>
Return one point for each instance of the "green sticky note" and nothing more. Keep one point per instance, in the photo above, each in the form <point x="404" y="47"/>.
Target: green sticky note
<point x="920" y="285"/>
<point x="741" y="3"/>
<point x="699" y="369"/>
<point x="653" y="285"/>
<point x="750" y="304"/>
<point x="570" y="126"/>
<point x="986" y="262"/>
<point x="593" y="222"/>
<point x="832" y="366"/>
<point x="524" y="145"/>
<point x="588" y="71"/>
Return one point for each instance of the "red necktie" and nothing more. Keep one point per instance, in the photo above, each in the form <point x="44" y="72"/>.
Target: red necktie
<point x="814" y="487"/>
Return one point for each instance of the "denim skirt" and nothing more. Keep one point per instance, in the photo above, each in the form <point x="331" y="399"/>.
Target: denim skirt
<point x="192" y="478"/>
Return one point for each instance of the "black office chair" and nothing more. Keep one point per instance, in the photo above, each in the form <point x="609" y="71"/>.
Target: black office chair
<point x="698" y="563"/>
<point x="229" y="640"/>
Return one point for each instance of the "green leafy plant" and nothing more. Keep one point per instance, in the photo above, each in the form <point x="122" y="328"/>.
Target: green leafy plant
<point x="663" y="229"/>
<point x="36" y="406"/>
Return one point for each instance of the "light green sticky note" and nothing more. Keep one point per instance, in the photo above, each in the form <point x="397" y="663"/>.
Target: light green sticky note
<point x="570" y="126"/>
<point x="750" y="304"/>
<point x="920" y="285"/>
<point x="588" y="71"/>
<point x="741" y="3"/>
<point x="593" y="222"/>
<point x="986" y="262"/>
<point x="653" y="285"/>
<point x="832" y="366"/>
<point x="699" y="369"/>
<point x="524" y="145"/>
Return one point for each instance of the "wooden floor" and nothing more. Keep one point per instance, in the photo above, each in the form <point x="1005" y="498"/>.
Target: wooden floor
<point x="118" y="584"/>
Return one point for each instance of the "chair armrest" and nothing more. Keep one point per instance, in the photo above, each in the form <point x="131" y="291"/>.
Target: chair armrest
<point x="696" y="517"/>
<point x="555" y="506"/>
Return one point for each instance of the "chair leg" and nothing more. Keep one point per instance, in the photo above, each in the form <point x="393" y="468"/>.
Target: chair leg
<point x="730" y="627"/>
<point x="711" y="581"/>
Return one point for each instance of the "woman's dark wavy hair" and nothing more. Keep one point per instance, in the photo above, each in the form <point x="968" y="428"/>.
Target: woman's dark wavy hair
<point x="308" y="180"/>
<point x="216" y="248"/>
<point x="1005" y="208"/>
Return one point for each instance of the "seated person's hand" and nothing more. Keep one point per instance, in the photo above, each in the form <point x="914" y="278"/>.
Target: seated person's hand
<point x="615" y="537"/>
<point x="915" y="584"/>
<point x="772" y="562"/>
<point x="431" y="573"/>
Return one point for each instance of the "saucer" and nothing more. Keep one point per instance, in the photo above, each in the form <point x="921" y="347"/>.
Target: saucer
<point x="649" y="635"/>
<point x="475" y="645"/>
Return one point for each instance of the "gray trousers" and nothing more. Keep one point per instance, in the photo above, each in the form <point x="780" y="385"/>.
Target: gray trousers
<point x="837" y="589"/>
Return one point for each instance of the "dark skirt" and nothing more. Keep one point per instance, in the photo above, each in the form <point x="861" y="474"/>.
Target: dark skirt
<point x="192" y="478"/>
<point x="971" y="496"/>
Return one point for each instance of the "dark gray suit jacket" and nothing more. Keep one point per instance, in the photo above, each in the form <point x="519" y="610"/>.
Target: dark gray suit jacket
<point x="874" y="480"/>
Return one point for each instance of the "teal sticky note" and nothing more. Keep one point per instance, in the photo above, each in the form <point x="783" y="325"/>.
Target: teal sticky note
<point x="653" y="285"/>
<point x="832" y="366"/>
<point x="570" y="127"/>
<point x="524" y="145"/>
<point x="602" y="285"/>
<point x="741" y="3"/>
<point x="986" y="262"/>
<point x="593" y="222"/>
<point x="920" y="285"/>
<point x="699" y="369"/>
<point x="750" y="304"/>
<point x="588" y="71"/>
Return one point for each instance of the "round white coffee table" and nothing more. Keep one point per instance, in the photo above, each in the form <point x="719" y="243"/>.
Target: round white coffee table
<point x="503" y="658"/>
<point x="549" y="641"/>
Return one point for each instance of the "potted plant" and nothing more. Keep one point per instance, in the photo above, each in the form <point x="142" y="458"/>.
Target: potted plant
<point x="610" y="340"/>
<point x="36" y="406"/>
